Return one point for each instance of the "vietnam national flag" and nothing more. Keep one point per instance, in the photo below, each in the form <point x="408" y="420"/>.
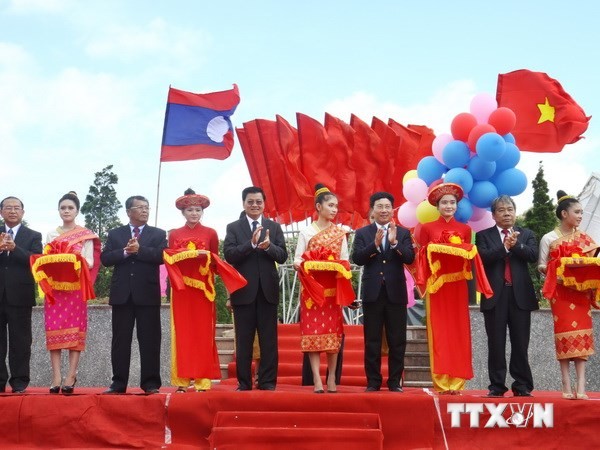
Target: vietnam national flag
<point x="547" y="117"/>
<point x="198" y="125"/>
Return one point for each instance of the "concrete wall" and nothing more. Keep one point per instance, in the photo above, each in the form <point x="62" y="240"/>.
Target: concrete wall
<point x="95" y="368"/>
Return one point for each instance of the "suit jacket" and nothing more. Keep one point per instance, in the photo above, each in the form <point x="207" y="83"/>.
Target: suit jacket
<point x="16" y="278"/>
<point x="388" y="266"/>
<point x="135" y="275"/>
<point x="493" y="254"/>
<point x="256" y="265"/>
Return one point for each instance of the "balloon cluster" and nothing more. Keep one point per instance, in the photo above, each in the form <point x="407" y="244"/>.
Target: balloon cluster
<point x="480" y="155"/>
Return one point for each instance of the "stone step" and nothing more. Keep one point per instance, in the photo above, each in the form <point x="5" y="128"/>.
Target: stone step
<point x="224" y="343"/>
<point x="222" y="328"/>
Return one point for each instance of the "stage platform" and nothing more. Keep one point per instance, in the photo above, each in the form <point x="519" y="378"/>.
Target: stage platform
<point x="293" y="417"/>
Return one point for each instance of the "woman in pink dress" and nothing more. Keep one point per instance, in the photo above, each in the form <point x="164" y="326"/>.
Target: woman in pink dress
<point x="66" y="313"/>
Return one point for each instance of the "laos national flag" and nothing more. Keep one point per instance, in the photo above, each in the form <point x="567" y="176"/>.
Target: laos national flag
<point x="198" y="125"/>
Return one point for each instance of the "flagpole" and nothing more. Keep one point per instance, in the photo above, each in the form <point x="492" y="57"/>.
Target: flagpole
<point x="157" y="194"/>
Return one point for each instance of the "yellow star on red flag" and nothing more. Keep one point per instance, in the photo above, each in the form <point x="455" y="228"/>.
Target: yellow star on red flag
<point x="546" y="112"/>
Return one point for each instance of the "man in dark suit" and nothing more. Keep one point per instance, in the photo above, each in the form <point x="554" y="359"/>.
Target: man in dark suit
<point x="136" y="252"/>
<point x="505" y="251"/>
<point x="383" y="248"/>
<point x="253" y="245"/>
<point x="17" y="294"/>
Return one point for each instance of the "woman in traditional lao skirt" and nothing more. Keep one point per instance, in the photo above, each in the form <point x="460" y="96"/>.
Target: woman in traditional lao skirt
<point x="66" y="309"/>
<point x="572" y="291"/>
<point x="192" y="261"/>
<point x="322" y="262"/>
<point x="444" y="267"/>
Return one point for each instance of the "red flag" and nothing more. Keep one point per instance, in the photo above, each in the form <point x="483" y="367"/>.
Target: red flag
<point x="276" y="169"/>
<point x="367" y="163"/>
<point x="316" y="162"/>
<point x="547" y="117"/>
<point x="255" y="159"/>
<point x="389" y="146"/>
<point x="302" y="205"/>
<point x="198" y="125"/>
<point x="340" y="139"/>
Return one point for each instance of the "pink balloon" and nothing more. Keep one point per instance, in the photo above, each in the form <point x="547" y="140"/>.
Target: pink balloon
<point x="407" y="214"/>
<point x="478" y="213"/>
<point x="482" y="106"/>
<point x="503" y="120"/>
<point x="486" y="221"/>
<point x="438" y="145"/>
<point x="415" y="190"/>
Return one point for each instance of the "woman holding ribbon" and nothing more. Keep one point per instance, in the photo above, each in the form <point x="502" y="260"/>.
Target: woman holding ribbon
<point x="192" y="261"/>
<point x="444" y="267"/>
<point x="321" y="260"/>
<point x="571" y="285"/>
<point x="65" y="308"/>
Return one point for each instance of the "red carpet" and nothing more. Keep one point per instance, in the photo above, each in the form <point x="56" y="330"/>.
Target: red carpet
<point x="289" y="370"/>
<point x="292" y="418"/>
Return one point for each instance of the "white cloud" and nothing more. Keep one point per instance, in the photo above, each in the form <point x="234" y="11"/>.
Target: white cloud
<point x="436" y="112"/>
<point x="157" y="39"/>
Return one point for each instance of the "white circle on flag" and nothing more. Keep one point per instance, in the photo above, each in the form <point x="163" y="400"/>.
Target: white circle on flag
<point x="217" y="128"/>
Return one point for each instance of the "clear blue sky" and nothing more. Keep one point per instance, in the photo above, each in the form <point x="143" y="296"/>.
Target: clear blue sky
<point x="83" y="84"/>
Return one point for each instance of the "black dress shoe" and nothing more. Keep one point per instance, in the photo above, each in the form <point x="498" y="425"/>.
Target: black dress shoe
<point x="55" y="389"/>
<point x="19" y="390"/>
<point x="152" y="391"/>
<point x="493" y="393"/>
<point x="68" y="389"/>
<point x="396" y="389"/>
<point x="371" y="389"/>
<point x="242" y="388"/>
<point x="522" y="394"/>
<point x="111" y="391"/>
<point x="267" y="387"/>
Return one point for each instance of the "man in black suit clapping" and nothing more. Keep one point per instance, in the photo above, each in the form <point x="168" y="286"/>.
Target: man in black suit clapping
<point x="136" y="252"/>
<point x="253" y="245"/>
<point x="17" y="294"/>
<point x="383" y="248"/>
<point x="505" y="251"/>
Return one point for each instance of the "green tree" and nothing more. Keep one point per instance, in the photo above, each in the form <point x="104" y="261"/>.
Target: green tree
<point x="101" y="204"/>
<point x="100" y="211"/>
<point x="540" y="218"/>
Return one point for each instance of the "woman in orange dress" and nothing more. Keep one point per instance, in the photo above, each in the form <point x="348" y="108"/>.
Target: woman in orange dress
<point x="321" y="259"/>
<point x="571" y="308"/>
<point x="193" y="315"/>
<point x="445" y="282"/>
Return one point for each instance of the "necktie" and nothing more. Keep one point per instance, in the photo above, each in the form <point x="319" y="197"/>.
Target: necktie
<point x="136" y="232"/>
<point x="507" y="274"/>
<point x="254" y="225"/>
<point x="10" y="232"/>
<point x="384" y="240"/>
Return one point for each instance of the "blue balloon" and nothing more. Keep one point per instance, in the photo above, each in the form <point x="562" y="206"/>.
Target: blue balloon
<point x="490" y="146"/>
<point x="430" y="169"/>
<point x="482" y="193"/>
<point x="456" y="154"/>
<point x="510" y="159"/>
<point x="509" y="138"/>
<point x="480" y="168"/>
<point x="511" y="182"/>
<point x="460" y="176"/>
<point x="464" y="210"/>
